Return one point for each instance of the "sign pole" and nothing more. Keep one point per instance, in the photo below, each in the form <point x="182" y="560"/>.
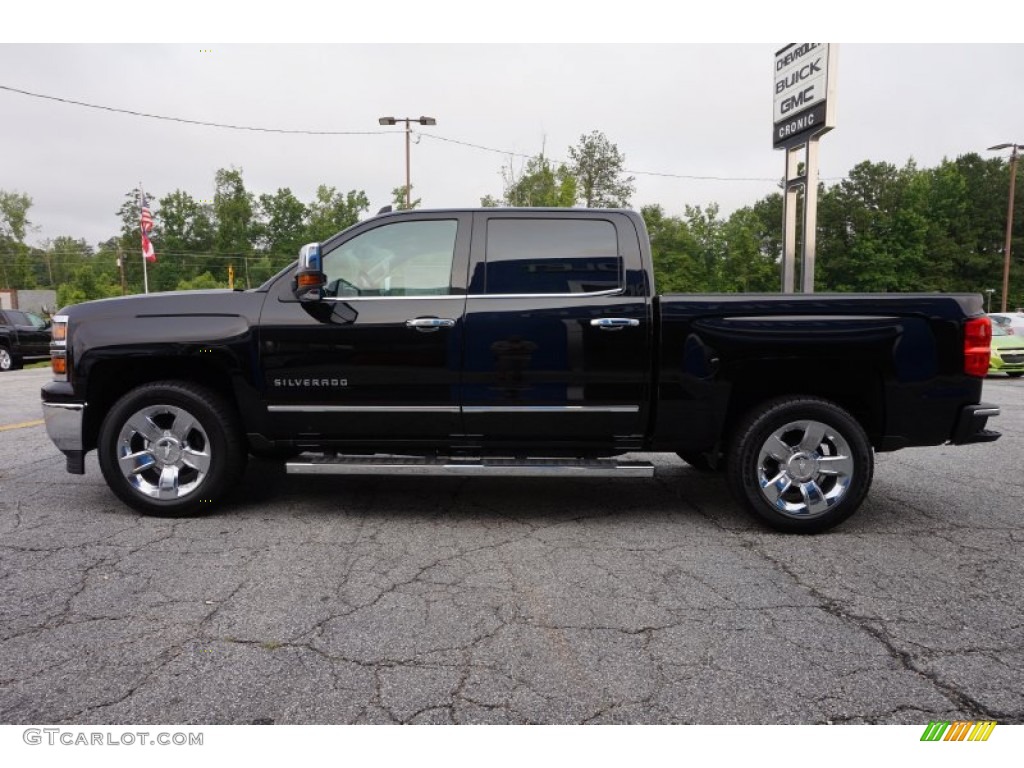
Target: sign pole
<point x="810" y="215"/>
<point x="804" y="109"/>
<point x="793" y="182"/>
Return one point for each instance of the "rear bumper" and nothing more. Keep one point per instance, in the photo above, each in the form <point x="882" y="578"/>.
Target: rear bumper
<point x="970" y="426"/>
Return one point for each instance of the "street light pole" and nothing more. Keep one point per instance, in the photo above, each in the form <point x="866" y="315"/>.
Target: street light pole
<point x="408" y="165"/>
<point x="422" y="120"/>
<point x="1009" y="217"/>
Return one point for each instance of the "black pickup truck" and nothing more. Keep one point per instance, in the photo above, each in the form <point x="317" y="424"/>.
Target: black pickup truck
<point x="511" y="342"/>
<point x="23" y="336"/>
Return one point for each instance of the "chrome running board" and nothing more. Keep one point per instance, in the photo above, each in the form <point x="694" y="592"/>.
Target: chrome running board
<point x="316" y="464"/>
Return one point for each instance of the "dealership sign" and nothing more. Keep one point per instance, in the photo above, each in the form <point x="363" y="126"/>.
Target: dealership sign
<point x="803" y="92"/>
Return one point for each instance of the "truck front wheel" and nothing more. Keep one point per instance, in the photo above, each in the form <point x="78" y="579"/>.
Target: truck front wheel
<point x="171" y="448"/>
<point x="800" y="464"/>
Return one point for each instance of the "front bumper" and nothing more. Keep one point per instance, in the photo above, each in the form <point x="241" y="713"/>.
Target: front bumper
<point x="970" y="426"/>
<point x="64" y="426"/>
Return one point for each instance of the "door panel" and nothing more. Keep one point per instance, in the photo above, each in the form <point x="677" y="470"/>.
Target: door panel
<point x="379" y="361"/>
<point x="558" y="346"/>
<point x="537" y="368"/>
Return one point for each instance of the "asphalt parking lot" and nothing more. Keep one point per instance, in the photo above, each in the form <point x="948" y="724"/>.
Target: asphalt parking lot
<point x="439" y="600"/>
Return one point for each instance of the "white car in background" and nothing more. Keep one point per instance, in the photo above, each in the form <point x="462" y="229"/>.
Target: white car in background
<point x="1012" y="322"/>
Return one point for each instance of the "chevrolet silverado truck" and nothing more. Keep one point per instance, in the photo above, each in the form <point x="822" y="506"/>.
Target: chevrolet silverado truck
<point x="511" y="342"/>
<point x="23" y="336"/>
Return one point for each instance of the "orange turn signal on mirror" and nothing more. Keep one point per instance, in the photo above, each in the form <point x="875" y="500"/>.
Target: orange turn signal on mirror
<point x="309" y="280"/>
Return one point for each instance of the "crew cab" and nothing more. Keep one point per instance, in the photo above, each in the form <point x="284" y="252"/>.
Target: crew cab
<point x="23" y="336"/>
<point x="511" y="341"/>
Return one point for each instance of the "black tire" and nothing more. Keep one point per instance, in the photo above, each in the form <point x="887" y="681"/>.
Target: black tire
<point x="172" y="433"/>
<point x="1015" y="374"/>
<point x="8" y="361"/>
<point x="817" y="453"/>
<point x="701" y="462"/>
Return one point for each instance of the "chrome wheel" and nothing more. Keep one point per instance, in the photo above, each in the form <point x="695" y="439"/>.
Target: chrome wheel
<point x="6" y="361"/>
<point x="163" y="452"/>
<point x="801" y="464"/>
<point x="804" y="468"/>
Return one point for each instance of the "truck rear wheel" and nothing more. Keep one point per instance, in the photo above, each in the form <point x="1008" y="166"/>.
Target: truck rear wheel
<point x="800" y="464"/>
<point x="171" y="448"/>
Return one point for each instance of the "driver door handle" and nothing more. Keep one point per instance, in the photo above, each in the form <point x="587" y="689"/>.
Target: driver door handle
<point x="429" y="324"/>
<point x="614" y="323"/>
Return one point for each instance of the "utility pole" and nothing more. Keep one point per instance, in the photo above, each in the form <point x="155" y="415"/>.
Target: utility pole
<point x="1009" y="219"/>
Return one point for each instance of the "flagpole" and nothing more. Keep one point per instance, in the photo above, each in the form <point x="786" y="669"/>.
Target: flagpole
<point x="145" y="270"/>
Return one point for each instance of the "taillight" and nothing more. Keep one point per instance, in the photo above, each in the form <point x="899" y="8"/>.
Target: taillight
<point x="59" y="348"/>
<point x="977" y="346"/>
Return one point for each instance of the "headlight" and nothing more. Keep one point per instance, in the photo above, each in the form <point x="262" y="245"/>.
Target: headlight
<point x="59" y="361"/>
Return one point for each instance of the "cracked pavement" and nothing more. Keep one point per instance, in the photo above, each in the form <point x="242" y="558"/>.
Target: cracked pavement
<point x="445" y="600"/>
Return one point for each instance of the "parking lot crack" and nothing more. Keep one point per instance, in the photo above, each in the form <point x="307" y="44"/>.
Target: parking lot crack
<point x="875" y="628"/>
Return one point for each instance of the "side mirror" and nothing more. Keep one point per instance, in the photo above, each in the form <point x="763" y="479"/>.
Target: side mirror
<point x="309" y="281"/>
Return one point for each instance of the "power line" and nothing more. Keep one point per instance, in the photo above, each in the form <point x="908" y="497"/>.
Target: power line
<point x="459" y="142"/>
<point x="638" y="173"/>
<point x="186" y="120"/>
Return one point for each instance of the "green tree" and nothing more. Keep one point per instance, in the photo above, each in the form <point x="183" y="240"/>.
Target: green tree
<point x="707" y="231"/>
<point x="747" y="266"/>
<point x="16" y="268"/>
<point x="597" y="166"/>
<point x="63" y="257"/>
<point x="981" y="229"/>
<point x="540" y="183"/>
<point x="398" y="199"/>
<point x="234" y="215"/>
<point x="283" y="224"/>
<point x="860" y="239"/>
<point x="330" y="212"/>
<point x="673" y="250"/>
<point x="14" y="221"/>
<point x="186" y="235"/>
<point x="85" y="285"/>
<point x="205" y="281"/>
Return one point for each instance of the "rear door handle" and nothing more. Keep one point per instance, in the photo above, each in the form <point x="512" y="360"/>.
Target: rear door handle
<point x="429" y="324"/>
<point x="614" y="323"/>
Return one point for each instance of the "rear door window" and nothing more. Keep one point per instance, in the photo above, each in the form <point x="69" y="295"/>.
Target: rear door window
<point x="551" y="256"/>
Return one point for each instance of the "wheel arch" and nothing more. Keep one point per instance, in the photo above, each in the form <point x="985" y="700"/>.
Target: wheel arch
<point x="109" y="380"/>
<point x="858" y="391"/>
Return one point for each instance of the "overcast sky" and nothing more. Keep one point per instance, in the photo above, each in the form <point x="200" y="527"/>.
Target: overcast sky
<point x="684" y="109"/>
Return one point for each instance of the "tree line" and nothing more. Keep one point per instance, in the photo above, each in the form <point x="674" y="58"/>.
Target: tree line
<point x="882" y="228"/>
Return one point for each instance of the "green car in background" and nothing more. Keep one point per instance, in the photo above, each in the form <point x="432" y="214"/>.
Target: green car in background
<point x="1007" y="352"/>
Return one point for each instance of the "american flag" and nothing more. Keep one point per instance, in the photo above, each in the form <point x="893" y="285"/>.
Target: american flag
<point x="146" y="225"/>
